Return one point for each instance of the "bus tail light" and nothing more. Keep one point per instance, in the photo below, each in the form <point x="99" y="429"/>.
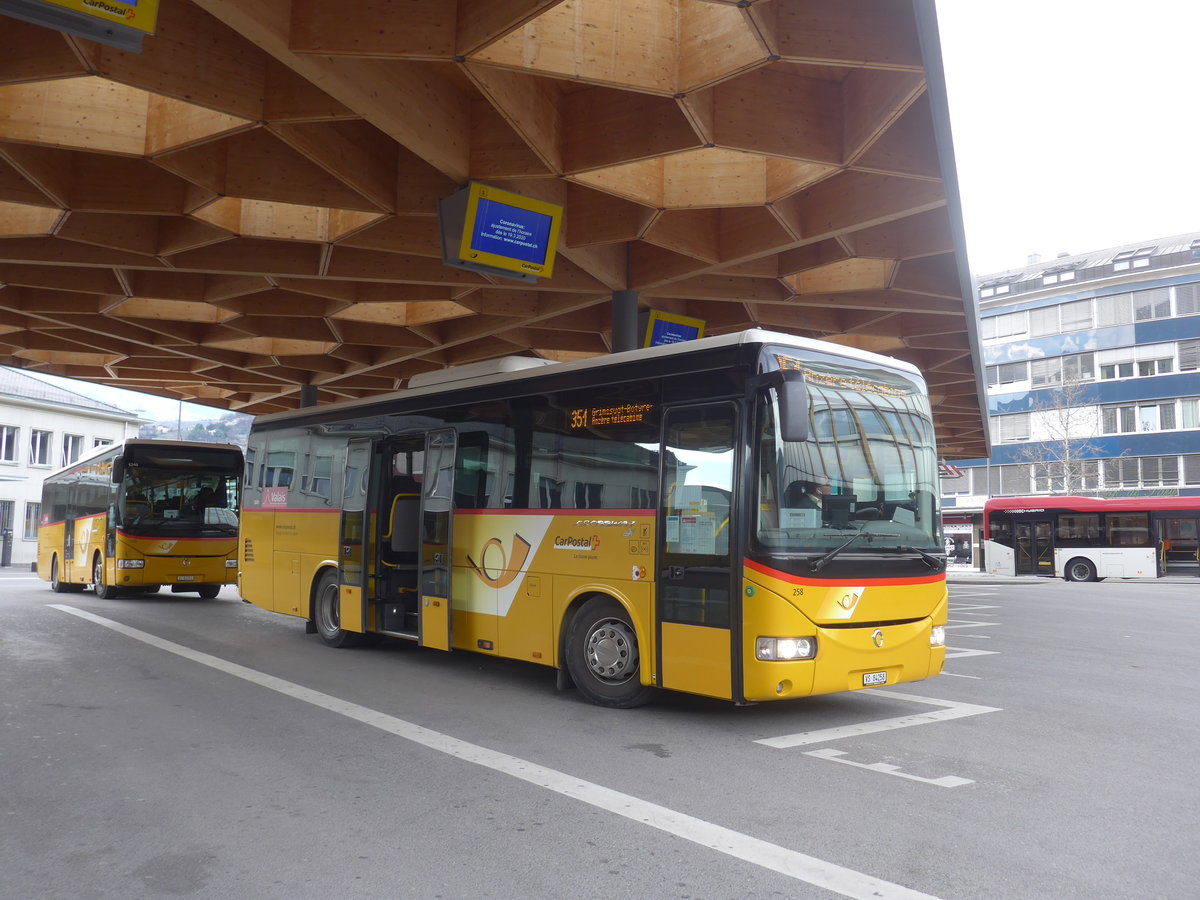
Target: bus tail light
<point x="937" y="636"/>
<point x="770" y="648"/>
<point x="131" y="564"/>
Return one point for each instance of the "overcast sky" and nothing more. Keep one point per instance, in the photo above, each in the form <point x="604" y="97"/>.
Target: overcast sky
<point x="1075" y="124"/>
<point x="1075" y="129"/>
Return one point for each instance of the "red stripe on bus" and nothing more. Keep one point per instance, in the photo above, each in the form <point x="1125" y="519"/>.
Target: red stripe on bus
<point x="839" y="582"/>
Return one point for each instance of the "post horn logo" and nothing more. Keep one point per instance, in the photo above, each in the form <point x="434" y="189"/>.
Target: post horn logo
<point x="506" y="573"/>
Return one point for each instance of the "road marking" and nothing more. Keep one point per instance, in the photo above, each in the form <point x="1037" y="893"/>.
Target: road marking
<point x="971" y="625"/>
<point x="951" y="709"/>
<point x="957" y="675"/>
<point x="832" y="755"/>
<point x="799" y="866"/>
<point x="960" y="652"/>
<point x="957" y="608"/>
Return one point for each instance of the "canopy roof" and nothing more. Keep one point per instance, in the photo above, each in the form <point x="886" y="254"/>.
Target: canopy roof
<point x="248" y="205"/>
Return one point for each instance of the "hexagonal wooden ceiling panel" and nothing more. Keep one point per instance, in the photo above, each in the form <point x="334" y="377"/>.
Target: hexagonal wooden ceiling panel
<point x="248" y="205"/>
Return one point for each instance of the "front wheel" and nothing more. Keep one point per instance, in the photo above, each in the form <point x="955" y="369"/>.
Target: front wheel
<point x="1080" y="569"/>
<point x="603" y="658"/>
<point x="327" y="613"/>
<point x="103" y="591"/>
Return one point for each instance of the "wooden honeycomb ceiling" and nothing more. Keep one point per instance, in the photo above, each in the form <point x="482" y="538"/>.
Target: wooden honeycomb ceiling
<point x="248" y="205"/>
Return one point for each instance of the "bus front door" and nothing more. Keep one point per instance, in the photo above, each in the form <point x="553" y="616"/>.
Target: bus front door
<point x="437" y="519"/>
<point x="1035" y="547"/>
<point x="696" y="597"/>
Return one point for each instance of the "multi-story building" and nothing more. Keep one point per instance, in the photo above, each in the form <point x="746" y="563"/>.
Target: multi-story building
<point x="43" y="428"/>
<point x="1093" y="379"/>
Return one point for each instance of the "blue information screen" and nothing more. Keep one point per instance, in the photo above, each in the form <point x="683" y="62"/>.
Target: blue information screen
<point x="511" y="231"/>
<point x="666" y="332"/>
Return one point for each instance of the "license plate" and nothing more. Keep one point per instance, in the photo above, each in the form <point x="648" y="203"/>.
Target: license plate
<point x="871" y="678"/>
<point x="185" y="578"/>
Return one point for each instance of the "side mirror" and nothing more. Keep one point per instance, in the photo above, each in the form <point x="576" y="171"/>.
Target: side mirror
<point x="792" y="391"/>
<point x="118" y="470"/>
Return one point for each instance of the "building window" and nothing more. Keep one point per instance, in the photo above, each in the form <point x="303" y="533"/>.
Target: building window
<point x="1116" y="370"/>
<point x="101" y="442"/>
<point x="72" y="448"/>
<point x="1045" y="372"/>
<point x="1013" y="429"/>
<point x="1116" y="309"/>
<point x="1080" y="367"/>
<point x="1076" y="316"/>
<point x="1152" y="304"/>
<point x="1155" y="367"/>
<point x="1007" y="373"/>
<point x="33" y="515"/>
<point x="1189" y="355"/>
<point x="39" y="448"/>
<point x="1133" y="259"/>
<point x="1187" y="299"/>
<point x="1190" y="410"/>
<point x="1191" y="469"/>
<point x="6" y="514"/>
<point x="1160" y="471"/>
<point x="8" y="443"/>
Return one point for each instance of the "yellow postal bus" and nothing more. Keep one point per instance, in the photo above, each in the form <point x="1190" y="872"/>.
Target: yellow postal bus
<point x="638" y="521"/>
<point x="142" y="514"/>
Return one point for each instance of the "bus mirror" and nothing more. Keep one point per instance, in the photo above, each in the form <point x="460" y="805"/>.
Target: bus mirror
<point x="118" y="470"/>
<point x="792" y="392"/>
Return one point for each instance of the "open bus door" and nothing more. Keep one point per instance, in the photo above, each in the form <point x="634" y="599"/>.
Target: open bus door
<point x="697" y="597"/>
<point x="437" y="519"/>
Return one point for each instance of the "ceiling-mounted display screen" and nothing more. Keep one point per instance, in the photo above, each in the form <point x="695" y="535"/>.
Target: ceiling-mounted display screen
<point x="493" y="231"/>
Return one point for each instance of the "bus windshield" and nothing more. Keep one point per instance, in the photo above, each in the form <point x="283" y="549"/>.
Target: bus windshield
<point x="869" y="465"/>
<point x="178" y="502"/>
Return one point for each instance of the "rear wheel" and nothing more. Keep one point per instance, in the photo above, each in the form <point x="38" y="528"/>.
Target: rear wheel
<point x="208" y="591"/>
<point x="603" y="657"/>
<point x="327" y="613"/>
<point x="103" y="591"/>
<point x="1080" y="569"/>
<point x="61" y="587"/>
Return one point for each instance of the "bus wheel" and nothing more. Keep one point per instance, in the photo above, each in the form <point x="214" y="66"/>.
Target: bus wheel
<point x="208" y="591"/>
<point x="61" y="587"/>
<point x="103" y="591"/>
<point x="1079" y="569"/>
<point x="327" y="613"/>
<point x="602" y="656"/>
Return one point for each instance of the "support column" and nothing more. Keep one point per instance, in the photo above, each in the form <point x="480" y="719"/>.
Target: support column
<point x="624" y="321"/>
<point x="308" y="395"/>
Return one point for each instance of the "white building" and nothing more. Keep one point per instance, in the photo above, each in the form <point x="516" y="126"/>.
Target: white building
<point x="43" y="428"/>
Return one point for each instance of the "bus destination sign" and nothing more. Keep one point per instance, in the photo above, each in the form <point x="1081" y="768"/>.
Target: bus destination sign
<point x="597" y="416"/>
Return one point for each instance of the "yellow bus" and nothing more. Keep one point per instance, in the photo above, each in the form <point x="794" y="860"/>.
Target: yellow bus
<point x="637" y="521"/>
<point x="142" y="514"/>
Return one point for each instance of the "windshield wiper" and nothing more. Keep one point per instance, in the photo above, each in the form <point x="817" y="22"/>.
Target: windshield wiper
<point x="928" y="558"/>
<point x="818" y="564"/>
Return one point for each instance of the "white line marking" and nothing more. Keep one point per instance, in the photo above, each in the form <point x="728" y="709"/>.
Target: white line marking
<point x="951" y="710"/>
<point x="958" y="608"/>
<point x="972" y="625"/>
<point x="832" y="755"/>
<point x="959" y="653"/>
<point x="957" y="675"/>
<point x="799" y="866"/>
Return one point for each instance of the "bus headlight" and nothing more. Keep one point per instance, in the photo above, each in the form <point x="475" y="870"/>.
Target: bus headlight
<point x="131" y="564"/>
<point x="937" y="636"/>
<point x="770" y="648"/>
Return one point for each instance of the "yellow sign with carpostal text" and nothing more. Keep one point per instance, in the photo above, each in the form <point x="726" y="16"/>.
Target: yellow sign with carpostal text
<point x="141" y="15"/>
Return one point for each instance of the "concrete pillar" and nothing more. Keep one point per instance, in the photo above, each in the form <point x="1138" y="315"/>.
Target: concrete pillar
<point x="624" y="321"/>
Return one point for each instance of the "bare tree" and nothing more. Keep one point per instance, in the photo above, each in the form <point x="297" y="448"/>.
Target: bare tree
<point x="1065" y="454"/>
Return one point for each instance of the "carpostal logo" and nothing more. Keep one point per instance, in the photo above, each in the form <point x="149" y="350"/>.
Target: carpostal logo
<point x="116" y="10"/>
<point x="577" y="543"/>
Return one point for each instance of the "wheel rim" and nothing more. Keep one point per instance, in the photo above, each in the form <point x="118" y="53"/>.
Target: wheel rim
<point x="98" y="574"/>
<point x="611" y="651"/>
<point x="1079" y="572"/>
<point x="54" y="574"/>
